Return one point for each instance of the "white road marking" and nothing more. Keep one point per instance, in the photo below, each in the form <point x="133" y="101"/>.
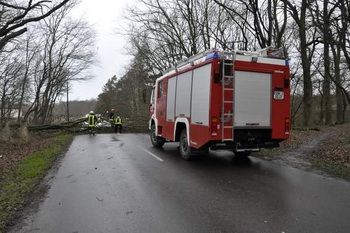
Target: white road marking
<point x="153" y="155"/>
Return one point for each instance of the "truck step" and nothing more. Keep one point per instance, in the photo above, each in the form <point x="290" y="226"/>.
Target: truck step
<point x="228" y="127"/>
<point x="228" y="101"/>
<point x="248" y="150"/>
<point x="227" y="139"/>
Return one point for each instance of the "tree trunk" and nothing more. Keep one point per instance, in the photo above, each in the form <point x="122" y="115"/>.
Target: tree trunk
<point x="25" y="78"/>
<point x="307" y="99"/>
<point x="344" y="107"/>
<point x="305" y="57"/>
<point x="67" y="102"/>
<point x="338" y="91"/>
<point x="327" y="80"/>
<point x="321" y="108"/>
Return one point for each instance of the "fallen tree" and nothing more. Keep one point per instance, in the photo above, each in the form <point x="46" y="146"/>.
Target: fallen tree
<point x="64" y="125"/>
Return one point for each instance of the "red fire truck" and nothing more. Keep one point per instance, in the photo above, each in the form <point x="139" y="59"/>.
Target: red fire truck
<point x="233" y="100"/>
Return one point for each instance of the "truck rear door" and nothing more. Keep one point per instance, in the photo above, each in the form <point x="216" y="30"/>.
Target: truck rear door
<point x="252" y="95"/>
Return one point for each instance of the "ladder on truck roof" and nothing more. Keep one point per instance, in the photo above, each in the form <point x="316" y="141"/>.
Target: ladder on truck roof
<point x="200" y="57"/>
<point x="227" y="104"/>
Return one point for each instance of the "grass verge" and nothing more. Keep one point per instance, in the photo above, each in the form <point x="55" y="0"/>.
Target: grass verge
<point x="18" y="183"/>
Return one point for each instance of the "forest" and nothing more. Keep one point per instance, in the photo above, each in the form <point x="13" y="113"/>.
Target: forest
<point x="42" y="51"/>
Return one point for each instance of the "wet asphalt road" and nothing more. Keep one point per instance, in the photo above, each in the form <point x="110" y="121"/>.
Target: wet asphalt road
<point x="119" y="183"/>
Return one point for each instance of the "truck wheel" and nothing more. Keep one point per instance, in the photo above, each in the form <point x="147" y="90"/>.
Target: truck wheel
<point x="185" y="149"/>
<point x="156" y="141"/>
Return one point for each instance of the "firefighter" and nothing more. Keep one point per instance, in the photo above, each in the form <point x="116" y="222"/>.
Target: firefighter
<point x="111" y="116"/>
<point x="92" y="120"/>
<point x="118" y="125"/>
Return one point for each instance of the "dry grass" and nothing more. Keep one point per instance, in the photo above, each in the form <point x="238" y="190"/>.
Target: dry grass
<point x="335" y="150"/>
<point x="330" y="153"/>
<point x="13" y="150"/>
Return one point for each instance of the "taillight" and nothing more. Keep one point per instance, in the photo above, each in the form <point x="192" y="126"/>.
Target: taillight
<point x="287" y="125"/>
<point x="214" y="126"/>
<point x="278" y="95"/>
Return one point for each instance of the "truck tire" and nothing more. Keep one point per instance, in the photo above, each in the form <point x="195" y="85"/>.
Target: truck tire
<point x="185" y="149"/>
<point x="156" y="141"/>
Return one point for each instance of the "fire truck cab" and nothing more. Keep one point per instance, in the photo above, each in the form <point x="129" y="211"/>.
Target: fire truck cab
<point x="232" y="100"/>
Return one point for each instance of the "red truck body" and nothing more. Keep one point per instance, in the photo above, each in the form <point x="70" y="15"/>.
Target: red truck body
<point x="237" y="100"/>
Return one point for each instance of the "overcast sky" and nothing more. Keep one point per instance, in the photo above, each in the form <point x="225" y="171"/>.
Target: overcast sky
<point x="106" y="16"/>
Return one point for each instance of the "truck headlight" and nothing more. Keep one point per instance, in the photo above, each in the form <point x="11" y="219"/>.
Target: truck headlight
<point x="278" y="95"/>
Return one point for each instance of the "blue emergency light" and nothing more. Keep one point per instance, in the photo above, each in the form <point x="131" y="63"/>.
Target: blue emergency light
<point x="287" y="62"/>
<point x="212" y="56"/>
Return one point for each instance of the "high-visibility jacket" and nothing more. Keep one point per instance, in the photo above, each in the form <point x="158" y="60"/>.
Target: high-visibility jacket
<point x="111" y="117"/>
<point x="92" y="120"/>
<point x="118" y="121"/>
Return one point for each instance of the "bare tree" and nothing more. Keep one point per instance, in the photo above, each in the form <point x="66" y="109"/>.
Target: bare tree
<point x="30" y="50"/>
<point x="326" y="44"/>
<point x="168" y="31"/>
<point x="328" y="18"/>
<point x="15" y="15"/>
<point x="322" y="17"/>
<point x="339" y="91"/>
<point x="11" y="69"/>
<point x="67" y="52"/>
<point x="305" y="54"/>
<point x="266" y="20"/>
<point x="342" y="28"/>
<point x="296" y="93"/>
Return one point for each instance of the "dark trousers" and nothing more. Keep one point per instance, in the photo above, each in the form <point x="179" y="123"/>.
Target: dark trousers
<point x="118" y="128"/>
<point x="91" y="129"/>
